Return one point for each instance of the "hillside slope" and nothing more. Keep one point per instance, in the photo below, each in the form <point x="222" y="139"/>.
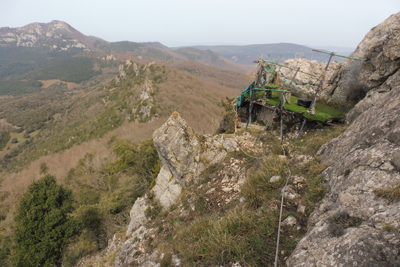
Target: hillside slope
<point x="58" y="36"/>
<point x="61" y="126"/>
<point x="245" y="54"/>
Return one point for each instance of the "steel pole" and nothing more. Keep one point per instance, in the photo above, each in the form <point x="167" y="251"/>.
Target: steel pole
<point x="311" y="110"/>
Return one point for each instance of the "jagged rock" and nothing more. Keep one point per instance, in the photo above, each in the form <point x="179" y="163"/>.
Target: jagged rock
<point x="132" y="253"/>
<point x="114" y="244"/>
<point x="362" y="159"/>
<point x="181" y="151"/>
<point x="136" y="69"/>
<point x="356" y="157"/>
<point x="352" y="79"/>
<point x="290" y="193"/>
<point x="177" y="147"/>
<point x="167" y="189"/>
<point x="181" y="154"/>
<point x="307" y="84"/>
<point x="383" y="52"/>
<point x="146" y="91"/>
<point x="381" y="47"/>
<point x="122" y="73"/>
<point x="230" y="145"/>
<point x="146" y="103"/>
<point x="137" y="215"/>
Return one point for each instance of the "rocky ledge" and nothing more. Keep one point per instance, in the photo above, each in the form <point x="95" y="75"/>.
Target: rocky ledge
<point x="358" y="221"/>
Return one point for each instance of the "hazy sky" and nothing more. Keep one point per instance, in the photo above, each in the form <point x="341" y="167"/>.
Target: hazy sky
<point x="183" y="22"/>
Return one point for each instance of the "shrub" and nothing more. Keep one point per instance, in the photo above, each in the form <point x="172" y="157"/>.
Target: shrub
<point x="42" y="224"/>
<point x="391" y="193"/>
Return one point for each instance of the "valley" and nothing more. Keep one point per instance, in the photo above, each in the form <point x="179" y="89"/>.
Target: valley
<point x="142" y="146"/>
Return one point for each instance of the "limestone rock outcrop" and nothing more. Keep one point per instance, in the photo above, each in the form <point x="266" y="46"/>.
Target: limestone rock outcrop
<point x="145" y="106"/>
<point x="56" y="35"/>
<point x="183" y="158"/>
<point x="308" y="84"/>
<point x="178" y="147"/>
<point x="167" y="189"/>
<point x="133" y="252"/>
<point x="145" y="110"/>
<point x="351" y="80"/>
<point x="364" y="159"/>
<point x="380" y="49"/>
<point x="185" y="153"/>
<point x="137" y="215"/>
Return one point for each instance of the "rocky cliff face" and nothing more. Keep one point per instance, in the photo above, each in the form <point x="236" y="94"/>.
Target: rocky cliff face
<point x="354" y="225"/>
<point x="144" y="110"/>
<point x="306" y="83"/>
<point x="184" y="155"/>
<point x="380" y="48"/>
<point x="351" y="80"/>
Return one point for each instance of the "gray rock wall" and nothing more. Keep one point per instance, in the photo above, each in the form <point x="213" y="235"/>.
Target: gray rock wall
<point x="364" y="158"/>
<point x="351" y="80"/>
<point x="380" y="47"/>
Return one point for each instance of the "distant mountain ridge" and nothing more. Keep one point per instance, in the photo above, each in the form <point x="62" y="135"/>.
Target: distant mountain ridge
<point x="246" y="54"/>
<point x="60" y="36"/>
<point x="55" y="35"/>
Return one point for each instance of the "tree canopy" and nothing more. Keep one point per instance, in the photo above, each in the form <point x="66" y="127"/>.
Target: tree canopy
<point x="42" y="224"/>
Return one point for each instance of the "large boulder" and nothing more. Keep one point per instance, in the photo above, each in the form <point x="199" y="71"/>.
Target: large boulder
<point x="304" y="82"/>
<point x="380" y="49"/>
<point x="178" y="146"/>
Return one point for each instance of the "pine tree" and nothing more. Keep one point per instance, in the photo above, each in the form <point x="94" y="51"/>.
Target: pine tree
<point x="42" y="224"/>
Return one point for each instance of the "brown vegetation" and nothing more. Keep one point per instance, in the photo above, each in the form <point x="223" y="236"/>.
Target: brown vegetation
<point x="47" y="83"/>
<point x="197" y="98"/>
<point x="228" y="78"/>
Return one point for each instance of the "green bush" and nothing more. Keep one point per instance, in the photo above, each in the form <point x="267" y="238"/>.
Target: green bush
<point x="42" y="224"/>
<point x="4" y="138"/>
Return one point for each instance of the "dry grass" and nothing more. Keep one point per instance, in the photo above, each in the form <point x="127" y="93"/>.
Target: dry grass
<point x="60" y="163"/>
<point x="246" y="232"/>
<point x="228" y="78"/>
<point x="311" y="141"/>
<point x="47" y="83"/>
<point x="197" y="100"/>
<point x="392" y="193"/>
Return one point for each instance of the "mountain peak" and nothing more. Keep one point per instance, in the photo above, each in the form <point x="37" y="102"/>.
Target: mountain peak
<point x="55" y="35"/>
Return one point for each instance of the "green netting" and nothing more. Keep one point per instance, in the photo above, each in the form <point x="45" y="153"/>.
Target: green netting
<point x="269" y="71"/>
<point x="322" y="113"/>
